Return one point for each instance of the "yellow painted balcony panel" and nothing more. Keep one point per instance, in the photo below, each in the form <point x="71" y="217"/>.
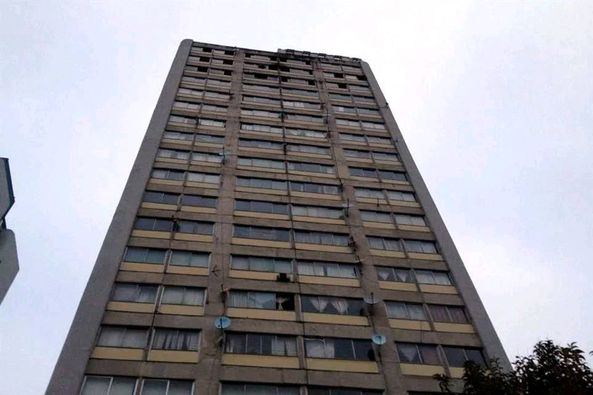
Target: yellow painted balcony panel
<point x="204" y="163"/>
<point x="262" y="190"/>
<point x="207" y="185"/>
<point x="194" y="271"/>
<point x="261" y="314"/>
<point x="358" y="160"/>
<point x="260" y="243"/>
<point x="427" y="257"/>
<point x="262" y="361"/>
<point x="153" y="234"/>
<point x="341" y="365"/>
<point x="254" y="214"/>
<point x="413" y="228"/>
<point x="412" y="369"/>
<point x="211" y="145"/>
<point x="396" y="182"/>
<point x="142" y="267"/>
<point x="438" y="289"/>
<point x="453" y="328"/>
<point x="158" y="206"/>
<point x="316" y="195"/>
<point x="131" y="307"/>
<point x="196" y="209"/>
<point x="414" y="325"/>
<point x="398" y="286"/>
<point x="371" y="200"/>
<point x="402" y="203"/>
<point x="253" y="275"/>
<point x="310" y="174"/>
<point x="309" y="155"/>
<point x="319" y="220"/>
<point x="120" y="353"/>
<point x="381" y="145"/>
<point x="193" y="237"/>
<point x="165" y="182"/>
<point x="173" y="141"/>
<point x="336" y="319"/>
<point x="344" y="282"/>
<point x="177" y="309"/>
<point x="379" y="225"/>
<point x="387" y="253"/>
<point x="171" y="160"/>
<point x="456" y="373"/>
<point x="261" y="150"/>
<point x="321" y="247"/>
<point x="264" y="169"/>
<point x="173" y="356"/>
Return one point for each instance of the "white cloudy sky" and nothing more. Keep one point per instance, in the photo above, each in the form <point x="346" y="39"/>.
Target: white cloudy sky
<point x="495" y="99"/>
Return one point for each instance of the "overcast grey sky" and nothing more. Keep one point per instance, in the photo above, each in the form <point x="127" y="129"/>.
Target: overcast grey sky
<point x="495" y="100"/>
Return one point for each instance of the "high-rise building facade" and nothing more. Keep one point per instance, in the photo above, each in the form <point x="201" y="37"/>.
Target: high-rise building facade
<point x="274" y="237"/>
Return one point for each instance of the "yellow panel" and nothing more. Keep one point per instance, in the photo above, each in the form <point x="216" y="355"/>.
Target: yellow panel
<point x="421" y="370"/>
<point x="261" y="190"/>
<point x="396" y="182"/>
<point x="266" y="361"/>
<point x="345" y="282"/>
<point x="203" y="163"/>
<point x="396" y="286"/>
<point x="212" y="145"/>
<point x="409" y="324"/>
<point x="158" y="206"/>
<point x="151" y="234"/>
<point x="438" y="289"/>
<point x="194" y="209"/>
<point x="395" y="254"/>
<point x="165" y="182"/>
<point x="429" y="257"/>
<point x="310" y="174"/>
<point x="456" y="373"/>
<point x="381" y="145"/>
<point x="371" y="200"/>
<point x="130" y="306"/>
<point x="308" y="154"/>
<point x="127" y="354"/>
<point x="402" y="203"/>
<point x="336" y="319"/>
<point x="193" y="237"/>
<point x="260" y="243"/>
<point x="171" y="160"/>
<point x="457" y="328"/>
<point x="180" y="309"/>
<point x="316" y="195"/>
<point x="368" y="179"/>
<point x="173" y="356"/>
<point x="260" y="215"/>
<point x="201" y="184"/>
<point x="320" y="247"/>
<point x="379" y="225"/>
<point x="386" y="161"/>
<point x="253" y="275"/>
<point x="261" y="314"/>
<point x="361" y="160"/>
<point x="319" y="220"/>
<point x="266" y="169"/>
<point x="196" y="271"/>
<point x="183" y="142"/>
<point x="262" y="150"/>
<point x="339" y="365"/>
<point x="142" y="267"/>
<point x="413" y="228"/>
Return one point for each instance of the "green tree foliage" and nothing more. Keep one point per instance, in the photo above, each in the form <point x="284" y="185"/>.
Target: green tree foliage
<point x="549" y="370"/>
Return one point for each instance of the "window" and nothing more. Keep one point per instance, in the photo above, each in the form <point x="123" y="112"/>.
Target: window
<point x="405" y="219"/>
<point x="211" y="122"/>
<point x="160" y="197"/>
<point x="383" y="243"/>
<point x="317" y="212"/>
<point x="189" y="258"/>
<point x="442" y="313"/>
<point x="258" y="389"/>
<point x="204" y="157"/>
<point x="259" y="162"/>
<point x="302" y="105"/>
<point x="262" y="207"/>
<point x="166" y="174"/>
<point x="375" y="216"/>
<point x="261" y="264"/>
<point x="309" y="149"/>
<point x="184" y="120"/>
<point x="341" y="391"/>
<point x="379" y="140"/>
<point x="373" y="125"/>
<point x="360" y="172"/>
<point x="121" y="336"/>
<point x="203" y="177"/>
<point x="348" y="123"/>
<point x="260" y="113"/>
<point x="195" y="227"/>
<point x="145" y="255"/>
<point x="299" y="92"/>
<point x="153" y="224"/>
<point x="369" y="193"/>
<point x="311" y="167"/>
<point x="405" y="311"/>
<point x="331" y="305"/>
<point x="394" y="274"/>
<point x="389" y="156"/>
<point x="261" y="300"/>
<point x="188" y="296"/>
<point x="178" y="136"/>
<point x="401" y="196"/>
<point x="309" y="187"/>
<point x="260" y="144"/>
<point x="260" y="344"/>
<point x="134" y="293"/>
<point x="392" y="175"/>
<point x="262" y="183"/>
<point x="352" y="153"/>
<point x="175" y="339"/>
<point x="426" y="247"/>
<point x="261" y="88"/>
<point x="326" y="269"/>
<point x="377" y="173"/>
<point x="352" y="137"/>
<point x="261" y="100"/>
<point x="107" y="385"/>
<point x="261" y="128"/>
<point x="166" y="387"/>
<point x="173" y="154"/>
<point x="325" y="238"/>
<point x="418" y="353"/>
<point x="209" y="138"/>
<point x="458" y="356"/>
<point x="335" y="348"/>
<point x="198" y="201"/>
<point x="317" y="134"/>
<point x="257" y="232"/>
<point x="432" y="277"/>
<point x="303" y="118"/>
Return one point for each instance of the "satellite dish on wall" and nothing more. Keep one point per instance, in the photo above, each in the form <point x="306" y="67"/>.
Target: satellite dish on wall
<point x="378" y="339"/>
<point x="370" y="299"/>
<point x="222" y="322"/>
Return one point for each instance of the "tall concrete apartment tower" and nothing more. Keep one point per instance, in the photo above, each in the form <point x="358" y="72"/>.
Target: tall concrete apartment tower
<point x="274" y="237"/>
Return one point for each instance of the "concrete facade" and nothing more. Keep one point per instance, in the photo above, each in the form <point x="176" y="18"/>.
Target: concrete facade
<point x="289" y="144"/>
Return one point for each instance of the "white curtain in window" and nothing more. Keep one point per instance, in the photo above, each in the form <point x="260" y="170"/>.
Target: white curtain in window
<point x="283" y="345"/>
<point x="320" y="303"/>
<point x="315" y="348"/>
<point x="341" y="305"/>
